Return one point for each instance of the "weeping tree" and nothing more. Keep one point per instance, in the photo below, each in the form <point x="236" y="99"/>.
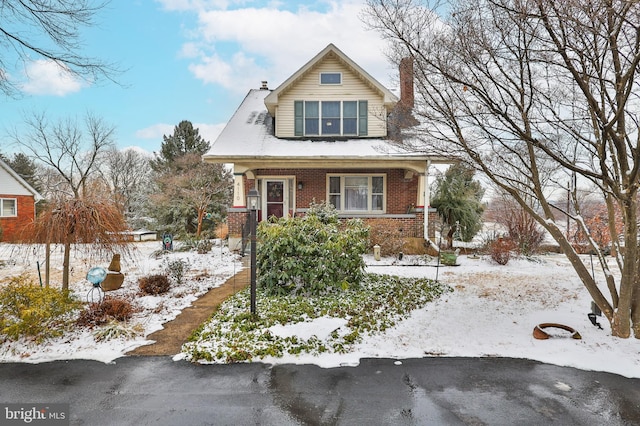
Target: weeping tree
<point x="535" y="94"/>
<point x="458" y="199"/>
<point x="78" y="211"/>
<point x="98" y="224"/>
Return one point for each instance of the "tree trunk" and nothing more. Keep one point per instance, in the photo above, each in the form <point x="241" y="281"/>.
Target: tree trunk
<point x="200" y="217"/>
<point x="629" y="281"/>
<point x="65" y="266"/>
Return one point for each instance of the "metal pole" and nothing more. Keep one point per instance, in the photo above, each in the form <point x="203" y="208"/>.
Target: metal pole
<point x="252" y="226"/>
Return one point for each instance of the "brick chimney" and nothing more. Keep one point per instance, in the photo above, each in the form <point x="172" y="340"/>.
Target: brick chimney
<point x="402" y="115"/>
<point x="406" y="84"/>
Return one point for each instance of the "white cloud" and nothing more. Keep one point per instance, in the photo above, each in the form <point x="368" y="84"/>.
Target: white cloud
<point x="138" y="149"/>
<point x="209" y="132"/>
<point x="45" y="77"/>
<point x="238" y="48"/>
<point x="155" y="131"/>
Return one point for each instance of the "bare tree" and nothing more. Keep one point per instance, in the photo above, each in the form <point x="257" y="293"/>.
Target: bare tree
<point x="50" y="30"/>
<point x="128" y="175"/>
<point x="534" y="94"/>
<point x="73" y="152"/>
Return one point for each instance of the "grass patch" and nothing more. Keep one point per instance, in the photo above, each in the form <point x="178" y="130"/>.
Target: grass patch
<point x="232" y="335"/>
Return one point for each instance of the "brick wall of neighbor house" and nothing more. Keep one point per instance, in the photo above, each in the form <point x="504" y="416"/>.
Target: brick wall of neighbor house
<point x="12" y="226"/>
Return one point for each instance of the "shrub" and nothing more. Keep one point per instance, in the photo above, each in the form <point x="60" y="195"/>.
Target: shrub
<point x="314" y="254"/>
<point x="154" y="284"/>
<point x="176" y="270"/>
<point x="388" y="238"/>
<point x="38" y="312"/>
<point x="109" y="309"/>
<point x="500" y="250"/>
<point x="204" y="246"/>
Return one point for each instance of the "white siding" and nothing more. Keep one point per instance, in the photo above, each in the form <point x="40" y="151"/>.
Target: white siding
<point x="352" y="89"/>
<point x="10" y="186"/>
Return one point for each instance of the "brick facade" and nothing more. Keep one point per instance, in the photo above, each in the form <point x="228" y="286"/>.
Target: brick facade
<point x="402" y="193"/>
<point x="12" y="226"/>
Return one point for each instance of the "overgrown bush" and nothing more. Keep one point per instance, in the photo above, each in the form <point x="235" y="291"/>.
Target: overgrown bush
<point x="388" y="238"/>
<point x="154" y="284"/>
<point x="521" y="228"/>
<point x="500" y="250"/>
<point x="314" y="254"/>
<point x="27" y="309"/>
<point x="109" y="309"/>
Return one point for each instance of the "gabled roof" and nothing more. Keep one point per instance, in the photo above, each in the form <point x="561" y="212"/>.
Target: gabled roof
<point x="389" y="99"/>
<point x="22" y="182"/>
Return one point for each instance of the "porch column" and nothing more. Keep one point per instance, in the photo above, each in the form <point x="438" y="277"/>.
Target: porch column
<point x="239" y="200"/>
<point x="426" y="201"/>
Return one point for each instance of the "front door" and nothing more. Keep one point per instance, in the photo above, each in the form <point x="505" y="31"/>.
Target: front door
<point x="276" y="200"/>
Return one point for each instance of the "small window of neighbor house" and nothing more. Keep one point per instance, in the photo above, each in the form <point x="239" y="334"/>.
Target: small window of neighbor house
<point x="330" y="78"/>
<point x="8" y="207"/>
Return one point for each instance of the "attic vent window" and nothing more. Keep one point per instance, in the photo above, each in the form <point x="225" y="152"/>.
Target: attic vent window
<point x="330" y="78"/>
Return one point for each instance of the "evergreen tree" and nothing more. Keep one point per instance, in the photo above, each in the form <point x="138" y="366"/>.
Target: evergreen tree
<point x="188" y="190"/>
<point x="26" y="168"/>
<point x="185" y="140"/>
<point x="457" y="197"/>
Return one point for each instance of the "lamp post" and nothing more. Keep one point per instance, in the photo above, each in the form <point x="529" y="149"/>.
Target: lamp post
<point x="253" y="201"/>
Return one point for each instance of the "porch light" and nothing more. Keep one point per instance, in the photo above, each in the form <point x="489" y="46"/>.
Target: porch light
<point x="300" y="185"/>
<point x="253" y="199"/>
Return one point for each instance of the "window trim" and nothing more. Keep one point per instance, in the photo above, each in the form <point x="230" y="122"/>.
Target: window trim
<point x="15" y="207"/>
<point x="330" y="73"/>
<point x="370" y="194"/>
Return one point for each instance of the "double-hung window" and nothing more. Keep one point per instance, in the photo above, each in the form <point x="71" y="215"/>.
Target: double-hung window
<point x="357" y="193"/>
<point x="8" y="207"/>
<point x="331" y="118"/>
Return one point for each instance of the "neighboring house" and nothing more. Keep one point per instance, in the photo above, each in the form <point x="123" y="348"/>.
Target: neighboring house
<point x="17" y="203"/>
<point x="324" y="135"/>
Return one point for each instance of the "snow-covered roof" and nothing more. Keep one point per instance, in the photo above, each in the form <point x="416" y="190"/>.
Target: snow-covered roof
<point x="249" y="136"/>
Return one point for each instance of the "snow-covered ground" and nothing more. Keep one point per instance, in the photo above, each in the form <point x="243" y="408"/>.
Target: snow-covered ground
<point x="203" y="272"/>
<point x="491" y="313"/>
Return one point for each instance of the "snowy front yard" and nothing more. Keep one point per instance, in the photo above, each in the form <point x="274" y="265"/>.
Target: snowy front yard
<point x="491" y="312"/>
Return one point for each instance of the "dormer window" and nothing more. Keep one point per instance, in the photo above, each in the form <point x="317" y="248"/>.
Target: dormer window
<point x="330" y="78"/>
<point x="331" y="118"/>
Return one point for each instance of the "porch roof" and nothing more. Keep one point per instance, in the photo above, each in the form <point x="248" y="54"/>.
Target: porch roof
<point x="249" y="137"/>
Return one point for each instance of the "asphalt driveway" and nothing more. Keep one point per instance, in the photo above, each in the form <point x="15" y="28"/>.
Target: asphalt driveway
<point x="429" y="391"/>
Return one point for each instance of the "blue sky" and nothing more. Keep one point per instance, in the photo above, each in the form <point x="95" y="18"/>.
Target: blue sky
<point x="191" y="60"/>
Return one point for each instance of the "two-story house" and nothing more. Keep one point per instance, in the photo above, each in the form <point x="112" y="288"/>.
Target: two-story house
<point x="324" y="135"/>
<point x="17" y="203"/>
